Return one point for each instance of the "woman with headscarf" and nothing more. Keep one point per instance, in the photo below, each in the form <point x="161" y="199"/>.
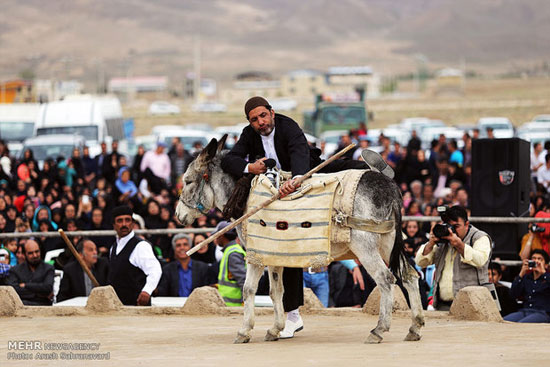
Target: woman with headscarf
<point x="42" y="213"/>
<point x="125" y="188"/>
<point x="66" y="173"/>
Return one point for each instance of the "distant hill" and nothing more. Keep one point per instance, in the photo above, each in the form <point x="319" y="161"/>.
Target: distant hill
<point x="93" y="39"/>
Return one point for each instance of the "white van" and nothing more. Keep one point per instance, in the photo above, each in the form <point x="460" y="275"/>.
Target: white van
<point x="96" y="118"/>
<point x="502" y="127"/>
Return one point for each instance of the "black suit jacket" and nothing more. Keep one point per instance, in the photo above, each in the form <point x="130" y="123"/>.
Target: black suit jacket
<point x="291" y="146"/>
<point x="201" y="275"/>
<point x="72" y="284"/>
<point x="38" y="283"/>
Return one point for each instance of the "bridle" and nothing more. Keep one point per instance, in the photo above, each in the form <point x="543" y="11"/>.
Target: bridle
<point x="198" y="204"/>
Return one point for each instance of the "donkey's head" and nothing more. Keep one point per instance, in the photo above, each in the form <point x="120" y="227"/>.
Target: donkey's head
<point x="198" y="195"/>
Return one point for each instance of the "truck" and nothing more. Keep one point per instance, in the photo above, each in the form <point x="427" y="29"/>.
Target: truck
<point x="96" y="118"/>
<point x="17" y="123"/>
<point x="336" y="111"/>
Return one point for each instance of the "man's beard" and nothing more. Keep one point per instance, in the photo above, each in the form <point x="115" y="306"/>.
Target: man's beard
<point x="34" y="262"/>
<point x="266" y="130"/>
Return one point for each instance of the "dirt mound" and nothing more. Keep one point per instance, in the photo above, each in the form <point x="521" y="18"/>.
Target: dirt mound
<point x="103" y="299"/>
<point x="205" y="301"/>
<point x="475" y="303"/>
<point x="372" y="306"/>
<point x="310" y="300"/>
<point x="9" y="301"/>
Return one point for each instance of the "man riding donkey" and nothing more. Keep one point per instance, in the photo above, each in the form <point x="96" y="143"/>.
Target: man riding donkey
<point x="274" y="136"/>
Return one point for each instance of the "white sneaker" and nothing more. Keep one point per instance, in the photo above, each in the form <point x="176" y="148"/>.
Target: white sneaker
<point x="291" y="327"/>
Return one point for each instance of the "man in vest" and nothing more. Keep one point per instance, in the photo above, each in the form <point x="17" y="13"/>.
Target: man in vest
<point x="461" y="258"/>
<point x="134" y="271"/>
<point x="232" y="273"/>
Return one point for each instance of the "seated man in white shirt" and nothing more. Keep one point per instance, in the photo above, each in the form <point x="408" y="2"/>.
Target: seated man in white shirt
<point x="461" y="257"/>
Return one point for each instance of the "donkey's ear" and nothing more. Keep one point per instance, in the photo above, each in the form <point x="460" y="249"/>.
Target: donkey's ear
<point x="221" y="143"/>
<point x="209" y="152"/>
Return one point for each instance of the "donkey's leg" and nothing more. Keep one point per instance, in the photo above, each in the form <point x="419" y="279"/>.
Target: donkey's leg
<point x="365" y="246"/>
<point x="276" y="291"/>
<point x="410" y="281"/>
<point x="253" y="274"/>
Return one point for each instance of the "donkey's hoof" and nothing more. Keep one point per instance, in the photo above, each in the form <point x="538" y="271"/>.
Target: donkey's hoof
<point x="412" y="337"/>
<point x="270" y="336"/>
<point x="373" y="339"/>
<point x="241" y="339"/>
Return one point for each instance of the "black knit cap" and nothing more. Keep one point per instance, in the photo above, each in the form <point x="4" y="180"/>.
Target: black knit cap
<point x="254" y="102"/>
<point x="122" y="210"/>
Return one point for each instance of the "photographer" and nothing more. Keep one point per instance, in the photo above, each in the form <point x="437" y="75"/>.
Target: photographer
<point x="531" y="241"/>
<point x="533" y="286"/>
<point x="460" y="253"/>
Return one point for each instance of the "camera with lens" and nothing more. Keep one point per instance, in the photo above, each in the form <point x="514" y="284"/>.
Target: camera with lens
<point x="272" y="173"/>
<point x="531" y="264"/>
<point x="442" y="229"/>
<point x="534" y="228"/>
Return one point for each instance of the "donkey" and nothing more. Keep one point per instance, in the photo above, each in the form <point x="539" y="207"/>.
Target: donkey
<point x="377" y="197"/>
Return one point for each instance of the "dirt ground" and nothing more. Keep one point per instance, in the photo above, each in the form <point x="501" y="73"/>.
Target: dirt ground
<point x="325" y="341"/>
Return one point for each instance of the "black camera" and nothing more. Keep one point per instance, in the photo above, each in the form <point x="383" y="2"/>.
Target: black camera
<point x="534" y="228"/>
<point x="442" y="229"/>
<point x="531" y="264"/>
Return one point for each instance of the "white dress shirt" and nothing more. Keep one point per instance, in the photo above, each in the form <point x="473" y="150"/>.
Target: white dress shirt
<point x="269" y="148"/>
<point x="543" y="176"/>
<point x="143" y="258"/>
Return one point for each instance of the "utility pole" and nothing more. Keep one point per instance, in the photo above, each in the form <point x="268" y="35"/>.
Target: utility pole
<point x="197" y="67"/>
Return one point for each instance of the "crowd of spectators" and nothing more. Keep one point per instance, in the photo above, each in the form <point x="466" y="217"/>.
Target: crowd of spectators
<point x="80" y="191"/>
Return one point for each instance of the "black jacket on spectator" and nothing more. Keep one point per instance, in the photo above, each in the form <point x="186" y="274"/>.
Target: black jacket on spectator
<point x="72" y="284"/>
<point x="507" y="303"/>
<point x="90" y="165"/>
<point x="38" y="284"/>
<point x="201" y="275"/>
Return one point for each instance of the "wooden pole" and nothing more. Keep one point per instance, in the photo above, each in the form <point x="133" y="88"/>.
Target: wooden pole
<point x="299" y="181"/>
<point x="78" y="258"/>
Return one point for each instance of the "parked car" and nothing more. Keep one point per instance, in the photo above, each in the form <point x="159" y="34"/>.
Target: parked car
<point x="159" y="108"/>
<point x="419" y="123"/>
<point x="52" y="146"/>
<point x="431" y="133"/>
<point x="502" y="127"/>
<point x="534" y="127"/>
<point x="283" y="104"/>
<point x="534" y="136"/>
<point x="209" y="107"/>
<point x="331" y="139"/>
<point x="393" y="132"/>
<point x="187" y="137"/>
<point x="542" y="118"/>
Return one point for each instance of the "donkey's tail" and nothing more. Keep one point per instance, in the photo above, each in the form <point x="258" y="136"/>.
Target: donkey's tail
<point x="397" y="256"/>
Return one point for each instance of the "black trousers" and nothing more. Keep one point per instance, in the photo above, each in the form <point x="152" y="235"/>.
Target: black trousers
<point x="293" y="278"/>
<point x="293" y="283"/>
